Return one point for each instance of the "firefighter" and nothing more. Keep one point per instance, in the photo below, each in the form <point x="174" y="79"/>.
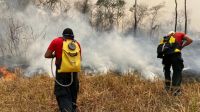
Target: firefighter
<point x="66" y="96"/>
<point x="172" y="58"/>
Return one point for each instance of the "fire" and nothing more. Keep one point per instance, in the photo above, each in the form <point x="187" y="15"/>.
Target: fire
<point x="7" y="75"/>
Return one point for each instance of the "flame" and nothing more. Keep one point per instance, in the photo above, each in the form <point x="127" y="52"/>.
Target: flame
<point x="7" y="75"/>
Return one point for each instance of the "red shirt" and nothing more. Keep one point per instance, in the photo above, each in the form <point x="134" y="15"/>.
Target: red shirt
<point x="179" y="37"/>
<point x="56" y="45"/>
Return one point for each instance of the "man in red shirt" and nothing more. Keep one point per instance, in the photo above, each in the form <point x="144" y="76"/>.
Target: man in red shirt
<point x="65" y="96"/>
<point x="176" y="61"/>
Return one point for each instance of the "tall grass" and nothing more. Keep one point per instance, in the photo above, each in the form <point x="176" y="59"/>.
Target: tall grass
<point x="102" y="93"/>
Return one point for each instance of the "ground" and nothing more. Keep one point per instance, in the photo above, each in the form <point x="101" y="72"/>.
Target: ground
<point x="100" y="93"/>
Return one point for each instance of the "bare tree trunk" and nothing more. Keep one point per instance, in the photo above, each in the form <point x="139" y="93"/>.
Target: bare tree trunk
<point x="135" y="16"/>
<point x="118" y="17"/>
<point x="176" y="14"/>
<point x="2" y="51"/>
<point x="85" y="7"/>
<point x="1" y="45"/>
<point x="10" y="48"/>
<point x="185" y="16"/>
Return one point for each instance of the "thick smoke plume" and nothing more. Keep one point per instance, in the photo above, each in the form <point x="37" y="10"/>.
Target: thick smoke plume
<point x="102" y="52"/>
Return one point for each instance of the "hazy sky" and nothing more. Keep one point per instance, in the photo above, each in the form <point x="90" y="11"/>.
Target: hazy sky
<point x="193" y="9"/>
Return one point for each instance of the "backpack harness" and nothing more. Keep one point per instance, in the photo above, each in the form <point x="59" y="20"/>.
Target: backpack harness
<point x="168" y="45"/>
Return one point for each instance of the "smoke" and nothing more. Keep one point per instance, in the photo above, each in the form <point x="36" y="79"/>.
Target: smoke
<point x="191" y="56"/>
<point x="101" y="52"/>
<point x="112" y="51"/>
<point x="19" y="5"/>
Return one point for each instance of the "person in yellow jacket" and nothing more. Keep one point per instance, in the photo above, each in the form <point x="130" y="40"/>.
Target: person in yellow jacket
<point x="68" y="55"/>
<point x="173" y="43"/>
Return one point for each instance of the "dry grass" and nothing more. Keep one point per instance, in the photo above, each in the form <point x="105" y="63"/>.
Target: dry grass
<point x="103" y="93"/>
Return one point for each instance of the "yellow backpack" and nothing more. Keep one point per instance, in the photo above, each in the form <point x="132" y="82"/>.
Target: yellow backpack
<point x="71" y="57"/>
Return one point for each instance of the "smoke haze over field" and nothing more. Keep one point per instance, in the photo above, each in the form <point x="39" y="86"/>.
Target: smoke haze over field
<point x="102" y="52"/>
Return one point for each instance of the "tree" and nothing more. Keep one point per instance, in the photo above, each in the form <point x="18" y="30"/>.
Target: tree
<point x="108" y="13"/>
<point x="54" y="5"/>
<point x="176" y="15"/>
<point x="16" y="37"/>
<point x="83" y="6"/>
<point x="135" y="18"/>
<point x="154" y="13"/>
<point x="2" y="46"/>
<point x="120" y="10"/>
<point x="185" y="16"/>
<point x="140" y="13"/>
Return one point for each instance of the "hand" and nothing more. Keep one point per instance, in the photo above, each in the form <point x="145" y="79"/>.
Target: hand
<point x="182" y="47"/>
<point x="53" y="55"/>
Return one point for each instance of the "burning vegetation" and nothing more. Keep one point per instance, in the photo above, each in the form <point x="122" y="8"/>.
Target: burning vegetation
<point x="6" y="75"/>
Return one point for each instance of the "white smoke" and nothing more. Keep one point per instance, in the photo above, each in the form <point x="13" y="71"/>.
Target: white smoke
<point x="191" y="56"/>
<point x="101" y="52"/>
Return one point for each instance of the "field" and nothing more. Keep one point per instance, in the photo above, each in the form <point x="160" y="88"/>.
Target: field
<point x="101" y="93"/>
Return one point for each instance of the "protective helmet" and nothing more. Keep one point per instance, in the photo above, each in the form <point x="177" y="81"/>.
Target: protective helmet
<point x="171" y="33"/>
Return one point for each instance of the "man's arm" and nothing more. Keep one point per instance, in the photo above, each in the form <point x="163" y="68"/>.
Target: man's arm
<point x="188" y="41"/>
<point x="50" y="51"/>
<point x="49" y="54"/>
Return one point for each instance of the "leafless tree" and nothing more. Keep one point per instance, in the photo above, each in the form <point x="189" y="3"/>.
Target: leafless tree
<point x="49" y="3"/>
<point x="176" y="15"/>
<point x="141" y="13"/>
<point x="54" y="5"/>
<point x="2" y="46"/>
<point x="16" y="38"/>
<point x="135" y="18"/>
<point x="120" y="10"/>
<point x="185" y="16"/>
<point x="83" y="6"/>
<point x="154" y="11"/>
<point x="108" y="13"/>
<point x="13" y="32"/>
<point x="180" y="20"/>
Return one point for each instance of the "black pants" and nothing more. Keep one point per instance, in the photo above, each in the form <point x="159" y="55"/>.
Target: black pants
<point x="66" y="96"/>
<point x="176" y="62"/>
